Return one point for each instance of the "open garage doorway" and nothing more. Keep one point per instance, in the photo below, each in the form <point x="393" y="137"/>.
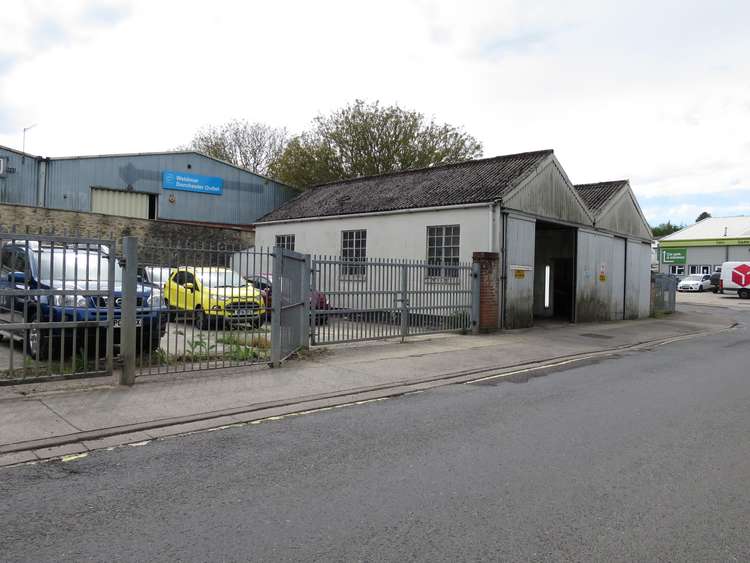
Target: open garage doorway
<point x="555" y="268"/>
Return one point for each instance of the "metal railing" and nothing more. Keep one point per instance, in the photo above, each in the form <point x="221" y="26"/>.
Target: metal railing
<point x="58" y="311"/>
<point x="663" y="293"/>
<point x="384" y="298"/>
<point x="70" y="307"/>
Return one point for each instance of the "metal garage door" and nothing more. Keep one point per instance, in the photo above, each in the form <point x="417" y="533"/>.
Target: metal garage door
<point x="115" y="202"/>
<point x="520" y="240"/>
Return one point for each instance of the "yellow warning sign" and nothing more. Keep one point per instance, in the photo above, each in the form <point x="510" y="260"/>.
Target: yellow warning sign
<point x="520" y="274"/>
<point x="602" y="277"/>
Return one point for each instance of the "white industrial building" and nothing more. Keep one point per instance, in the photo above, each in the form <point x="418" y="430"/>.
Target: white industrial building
<point x="702" y="247"/>
<point x="580" y="253"/>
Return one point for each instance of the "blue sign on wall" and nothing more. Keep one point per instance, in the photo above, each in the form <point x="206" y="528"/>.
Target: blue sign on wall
<point x="172" y="180"/>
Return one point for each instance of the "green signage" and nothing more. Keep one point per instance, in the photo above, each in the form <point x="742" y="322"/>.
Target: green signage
<point x="674" y="256"/>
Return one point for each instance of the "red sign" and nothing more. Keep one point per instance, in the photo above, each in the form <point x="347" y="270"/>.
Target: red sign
<point x="741" y="275"/>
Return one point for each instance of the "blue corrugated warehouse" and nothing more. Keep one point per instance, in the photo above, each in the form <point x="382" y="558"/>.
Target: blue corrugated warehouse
<point x="180" y="186"/>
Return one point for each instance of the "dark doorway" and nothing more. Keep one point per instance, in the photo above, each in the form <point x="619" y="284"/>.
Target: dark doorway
<point x="555" y="271"/>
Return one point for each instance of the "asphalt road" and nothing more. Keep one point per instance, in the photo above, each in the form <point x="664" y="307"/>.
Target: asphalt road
<point x="642" y="457"/>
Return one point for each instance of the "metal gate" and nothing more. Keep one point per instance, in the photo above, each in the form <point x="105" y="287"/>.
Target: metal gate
<point x="381" y="298"/>
<point x="58" y="311"/>
<point x="291" y="303"/>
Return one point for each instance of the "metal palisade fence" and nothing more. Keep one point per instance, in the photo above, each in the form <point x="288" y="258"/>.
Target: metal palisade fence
<point x="663" y="293"/>
<point x="59" y="315"/>
<point x="73" y="306"/>
<point x="380" y="298"/>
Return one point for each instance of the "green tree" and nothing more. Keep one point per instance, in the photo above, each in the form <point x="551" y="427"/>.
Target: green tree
<point x="364" y="139"/>
<point x="665" y="229"/>
<point x="249" y="145"/>
<point x="704" y="215"/>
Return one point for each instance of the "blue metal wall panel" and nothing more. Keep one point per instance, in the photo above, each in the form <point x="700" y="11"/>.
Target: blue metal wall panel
<point x="20" y="185"/>
<point x="245" y="198"/>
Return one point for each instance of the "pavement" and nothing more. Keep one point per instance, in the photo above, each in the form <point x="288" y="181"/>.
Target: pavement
<point x="640" y="456"/>
<point x="54" y="419"/>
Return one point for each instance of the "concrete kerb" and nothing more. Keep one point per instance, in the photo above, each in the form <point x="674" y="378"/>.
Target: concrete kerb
<point x="80" y="442"/>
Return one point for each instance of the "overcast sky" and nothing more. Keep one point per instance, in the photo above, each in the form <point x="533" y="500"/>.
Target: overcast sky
<point x="656" y="91"/>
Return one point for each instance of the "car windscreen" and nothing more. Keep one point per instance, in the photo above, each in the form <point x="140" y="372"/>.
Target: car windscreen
<point x="158" y="275"/>
<point x="222" y="278"/>
<point x="75" y="266"/>
<point x="693" y="278"/>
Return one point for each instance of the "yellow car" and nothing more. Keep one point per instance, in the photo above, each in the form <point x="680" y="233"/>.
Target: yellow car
<point x="213" y="294"/>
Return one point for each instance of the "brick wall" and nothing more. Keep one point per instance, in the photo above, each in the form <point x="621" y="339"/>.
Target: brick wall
<point x="151" y="234"/>
<point x="489" y="271"/>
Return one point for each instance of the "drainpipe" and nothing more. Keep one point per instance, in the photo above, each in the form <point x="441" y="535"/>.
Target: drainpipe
<point x="41" y="181"/>
<point x="503" y="265"/>
<point x="491" y="240"/>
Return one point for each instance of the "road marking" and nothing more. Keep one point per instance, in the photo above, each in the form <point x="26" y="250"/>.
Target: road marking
<point x="73" y="457"/>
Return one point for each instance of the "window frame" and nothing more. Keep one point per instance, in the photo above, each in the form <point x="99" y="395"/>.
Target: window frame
<point x="437" y="263"/>
<point x="282" y="241"/>
<point x="357" y="269"/>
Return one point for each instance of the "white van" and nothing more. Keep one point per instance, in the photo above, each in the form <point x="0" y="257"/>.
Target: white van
<point x="735" y="276"/>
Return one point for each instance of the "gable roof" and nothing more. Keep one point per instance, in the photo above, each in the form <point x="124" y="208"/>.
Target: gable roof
<point x="473" y="181"/>
<point x="597" y="196"/>
<point x="713" y="228"/>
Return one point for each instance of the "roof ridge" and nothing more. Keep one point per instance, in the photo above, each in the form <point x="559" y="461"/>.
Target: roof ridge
<point x="430" y="168"/>
<point x="600" y="184"/>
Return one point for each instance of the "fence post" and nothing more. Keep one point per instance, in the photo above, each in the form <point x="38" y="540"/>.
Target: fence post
<point x="128" y="334"/>
<point x="307" y="324"/>
<point x="404" y="302"/>
<point x="276" y="304"/>
<point x="313" y="315"/>
<point x="476" y="270"/>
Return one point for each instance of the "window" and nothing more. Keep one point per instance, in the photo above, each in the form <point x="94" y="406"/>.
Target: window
<point x="285" y="241"/>
<point x="182" y="278"/>
<point x="442" y="250"/>
<point x="677" y="270"/>
<point x="354" y="249"/>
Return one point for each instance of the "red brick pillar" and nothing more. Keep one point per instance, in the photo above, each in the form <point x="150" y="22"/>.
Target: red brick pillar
<point x="489" y="276"/>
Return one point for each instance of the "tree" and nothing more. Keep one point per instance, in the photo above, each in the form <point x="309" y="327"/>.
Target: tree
<point x="704" y="215"/>
<point x="665" y="229"/>
<point x="248" y="145"/>
<point x="364" y="139"/>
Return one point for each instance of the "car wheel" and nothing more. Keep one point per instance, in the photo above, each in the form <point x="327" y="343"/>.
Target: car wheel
<point x="744" y="294"/>
<point x="700" y="289"/>
<point x="37" y="343"/>
<point x="199" y="318"/>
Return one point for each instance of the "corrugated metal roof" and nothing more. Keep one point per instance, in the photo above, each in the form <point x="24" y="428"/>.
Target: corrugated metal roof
<point x="713" y="228"/>
<point x="596" y="196"/>
<point x="473" y="181"/>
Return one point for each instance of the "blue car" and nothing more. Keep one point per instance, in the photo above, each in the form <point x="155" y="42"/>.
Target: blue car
<point x="35" y="267"/>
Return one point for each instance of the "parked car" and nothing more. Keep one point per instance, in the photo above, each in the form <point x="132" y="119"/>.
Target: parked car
<point x="33" y="266"/>
<point x="716" y="281"/>
<point x="695" y="282"/>
<point x="318" y="300"/>
<point x="735" y="276"/>
<point x="214" y="295"/>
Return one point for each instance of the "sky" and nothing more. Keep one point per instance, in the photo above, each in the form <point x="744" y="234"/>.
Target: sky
<point x="657" y="91"/>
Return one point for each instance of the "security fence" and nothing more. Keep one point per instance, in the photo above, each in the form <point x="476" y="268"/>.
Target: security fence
<point x="380" y="298"/>
<point x="59" y="312"/>
<point x="73" y="306"/>
<point x="663" y="293"/>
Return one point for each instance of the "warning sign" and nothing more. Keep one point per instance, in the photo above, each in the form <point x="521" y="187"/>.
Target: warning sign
<point x="520" y="274"/>
<point x="603" y="273"/>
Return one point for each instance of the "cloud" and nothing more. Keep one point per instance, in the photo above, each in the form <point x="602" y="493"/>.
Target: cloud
<point x="655" y="92"/>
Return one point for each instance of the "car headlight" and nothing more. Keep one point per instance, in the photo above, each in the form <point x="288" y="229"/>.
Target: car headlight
<point x="70" y="301"/>
<point x="156" y="301"/>
<point x="218" y="297"/>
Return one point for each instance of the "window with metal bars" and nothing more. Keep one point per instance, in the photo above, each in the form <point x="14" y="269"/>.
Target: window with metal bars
<point x="354" y="250"/>
<point x="285" y="241"/>
<point x="443" y="243"/>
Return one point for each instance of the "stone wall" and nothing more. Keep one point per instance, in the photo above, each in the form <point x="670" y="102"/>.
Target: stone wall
<point x="152" y="235"/>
